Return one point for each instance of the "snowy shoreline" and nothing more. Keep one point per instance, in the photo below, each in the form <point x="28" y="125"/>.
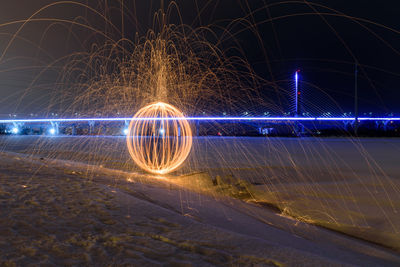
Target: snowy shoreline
<point x="164" y="214"/>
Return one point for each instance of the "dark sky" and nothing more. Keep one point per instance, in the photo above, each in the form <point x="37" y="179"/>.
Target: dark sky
<point x="323" y="39"/>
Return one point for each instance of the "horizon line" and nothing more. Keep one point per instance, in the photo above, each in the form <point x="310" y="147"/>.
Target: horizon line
<point x="206" y="119"/>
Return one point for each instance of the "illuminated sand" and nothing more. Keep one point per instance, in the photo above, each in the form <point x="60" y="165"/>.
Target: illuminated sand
<point x="289" y="190"/>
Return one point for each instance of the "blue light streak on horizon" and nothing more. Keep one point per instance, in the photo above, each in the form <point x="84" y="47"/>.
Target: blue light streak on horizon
<point x="204" y="119"/>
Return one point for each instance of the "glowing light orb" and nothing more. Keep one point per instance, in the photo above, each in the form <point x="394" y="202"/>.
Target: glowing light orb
<point x="159" y="138"/>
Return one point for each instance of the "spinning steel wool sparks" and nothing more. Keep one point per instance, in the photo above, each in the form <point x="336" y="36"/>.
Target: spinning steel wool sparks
<point x="156" y="145"/>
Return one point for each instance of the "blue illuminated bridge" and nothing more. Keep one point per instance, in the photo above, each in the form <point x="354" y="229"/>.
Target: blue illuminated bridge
<point x="293" y="119"/>
<point x="52" y="126"/>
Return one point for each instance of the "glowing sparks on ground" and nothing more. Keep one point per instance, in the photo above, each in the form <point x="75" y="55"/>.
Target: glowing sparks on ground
<point x="159" y="146"/>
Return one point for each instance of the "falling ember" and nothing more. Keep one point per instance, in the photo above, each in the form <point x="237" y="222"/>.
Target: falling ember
<point x="159" y="138"/>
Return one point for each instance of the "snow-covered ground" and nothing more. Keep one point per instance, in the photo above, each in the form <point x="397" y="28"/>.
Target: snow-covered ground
<point x="242" y="201"/>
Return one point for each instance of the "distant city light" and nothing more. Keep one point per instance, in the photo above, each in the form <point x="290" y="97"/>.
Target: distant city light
<point x="52" y="131"/>
<point x="15" y="130"/>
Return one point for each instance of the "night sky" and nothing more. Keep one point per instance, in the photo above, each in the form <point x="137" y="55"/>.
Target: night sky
<point x="323" y="42"/>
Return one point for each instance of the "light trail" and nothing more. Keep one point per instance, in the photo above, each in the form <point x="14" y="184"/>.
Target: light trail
<point x="166" y="145"/>
<point x="202" y="119"/>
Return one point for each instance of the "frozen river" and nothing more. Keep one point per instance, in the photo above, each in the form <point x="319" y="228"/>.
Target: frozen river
<point x="337" y="156"/>
<point x="348" y="185"/>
